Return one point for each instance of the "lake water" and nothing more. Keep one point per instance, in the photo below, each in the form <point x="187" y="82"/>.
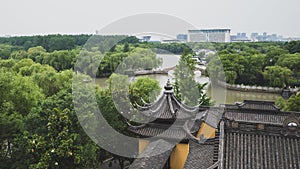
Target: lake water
<point x="219" y="95"/>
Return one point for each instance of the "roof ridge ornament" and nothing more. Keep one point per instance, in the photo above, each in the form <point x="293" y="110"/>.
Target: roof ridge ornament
<point x="291" y="125"/>
<point x="168" y="87"/>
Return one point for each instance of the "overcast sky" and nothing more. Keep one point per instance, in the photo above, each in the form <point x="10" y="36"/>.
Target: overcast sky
<point x="28" y="17"/>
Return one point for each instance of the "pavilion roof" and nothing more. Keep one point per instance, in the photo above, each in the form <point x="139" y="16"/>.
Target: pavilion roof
<point x="168" y="107"/>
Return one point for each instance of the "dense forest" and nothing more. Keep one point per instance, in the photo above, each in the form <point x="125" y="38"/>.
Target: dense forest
<point x="260" y="64"/>
<point x="38" y="124"/>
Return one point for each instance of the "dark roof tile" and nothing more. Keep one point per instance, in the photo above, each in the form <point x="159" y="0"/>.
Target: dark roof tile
<point x="242" y="150"/>
<point x="154" y="156"/>
<point x="200" y="156"/>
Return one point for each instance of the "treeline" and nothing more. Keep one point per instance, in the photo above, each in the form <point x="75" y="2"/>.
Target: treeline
<point x="48" y="42"/>
<point x="65" y="42"/>
<point x="264" y="64"/>
<point x="68" y="42"/>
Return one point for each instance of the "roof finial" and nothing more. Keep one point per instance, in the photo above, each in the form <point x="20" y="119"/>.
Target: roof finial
<point x="168" y="86"/>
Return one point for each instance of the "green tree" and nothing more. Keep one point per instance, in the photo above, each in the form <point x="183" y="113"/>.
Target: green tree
<point x="185" y="87"/>
<point x="291" y="61"/>
<point x="293" y="46"/>
<point x="293" y="103"/>
<point x="144" y="88"/>
<point x="37" y="53"/>
<point x="19" y="95"/>
<point x="5" y="51"/>
<point x="277" y="76"/>
<point x="126" y="47"/>
<point x="273" y="55"/>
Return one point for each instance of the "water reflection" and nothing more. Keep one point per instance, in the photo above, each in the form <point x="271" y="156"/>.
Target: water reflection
<point x="215" y="93"/>
<point x="231" y="95"/>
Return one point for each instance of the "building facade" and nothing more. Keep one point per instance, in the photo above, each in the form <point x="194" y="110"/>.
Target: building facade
<point x="209" y="35"/>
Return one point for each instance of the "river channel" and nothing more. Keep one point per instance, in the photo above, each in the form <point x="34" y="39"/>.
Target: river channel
<point x="228" y="96"/>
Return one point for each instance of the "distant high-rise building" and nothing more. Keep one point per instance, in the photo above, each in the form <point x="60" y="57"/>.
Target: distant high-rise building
<point x="254" y="35"/>
<point x="233" y="38"/>
<point x="182" y="37"/>
<point x="265" y="37"/>
<point x="265" y="34"/>
<point x="241" y="36"/>
<point x="209" y="35"/>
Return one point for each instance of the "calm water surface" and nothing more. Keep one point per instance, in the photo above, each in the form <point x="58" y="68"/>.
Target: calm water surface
<point x="217" y="94"/>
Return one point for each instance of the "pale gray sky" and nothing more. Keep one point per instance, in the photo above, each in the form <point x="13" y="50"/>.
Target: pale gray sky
<point x="27" y="17"/>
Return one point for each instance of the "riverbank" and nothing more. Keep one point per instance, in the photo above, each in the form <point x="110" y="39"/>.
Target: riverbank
<point x="150" y="72"/>
<point x="247" y="88"/>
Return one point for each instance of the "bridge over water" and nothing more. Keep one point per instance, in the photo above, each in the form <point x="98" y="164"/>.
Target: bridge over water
<point x="165" y="71"/>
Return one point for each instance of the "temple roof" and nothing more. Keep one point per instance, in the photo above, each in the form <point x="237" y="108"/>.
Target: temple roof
<point x="255" y="105"/>
<point x="169" y="116"/>
<point x="168" y="107"/>
<point x="266" y="149"/>
<point x="166" y="131"/>
<point x="200" y="156"/>
<point x="253" y="133"/>
<point x="259" y="136"/>
<point x="256" y="112"/>
<point x="213" y="116"/>
<point x="149" y="158"/>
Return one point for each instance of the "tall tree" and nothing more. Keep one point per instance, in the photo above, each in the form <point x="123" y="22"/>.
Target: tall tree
<point x="185" y="86"/>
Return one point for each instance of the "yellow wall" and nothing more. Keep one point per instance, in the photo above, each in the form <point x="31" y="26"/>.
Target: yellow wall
<point x="178" y="156"/>
<point x="142" y="145"/>
<point x="207" y="131"/>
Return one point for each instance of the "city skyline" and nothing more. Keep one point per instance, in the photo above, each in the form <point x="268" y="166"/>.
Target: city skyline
<point x="75" y="17"/>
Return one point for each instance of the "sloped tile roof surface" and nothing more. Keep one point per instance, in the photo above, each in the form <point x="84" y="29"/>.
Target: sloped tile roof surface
<point x="256" y="112"/>
<point x="169" y="107"/>
<point x="244" y="150"/>
<point x="200" y="156"/>
<point x="151" y="131"/>
<point x="154" y="156"/>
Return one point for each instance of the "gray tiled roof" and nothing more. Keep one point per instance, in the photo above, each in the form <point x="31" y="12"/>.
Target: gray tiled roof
<point x="169" y="107"/>
<point x="253" y="104"/>
<point x="166" y="131"/>
<point x="154" y="156"/>
<point x="261" y="105"/>
<point x="256" y="112"/>
<point x="150" y="131"/>
<point x="257" y="116"/>
<point x="213" y="116"/>
<point x="244" y="150"/>
<point x="200" y="156"/>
